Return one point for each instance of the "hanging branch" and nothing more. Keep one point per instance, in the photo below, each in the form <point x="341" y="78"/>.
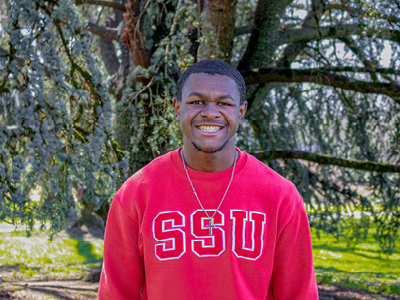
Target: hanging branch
<point x="322" y="76"/>
<point x="111" y="4"/>
<point x="21" y="62"/>
<point x="103" y="31"/>
<point x="327" y="160"/>
<point x="308" y="34"/>
<point x="359" y="11"/>
<point x="351" y="44"/>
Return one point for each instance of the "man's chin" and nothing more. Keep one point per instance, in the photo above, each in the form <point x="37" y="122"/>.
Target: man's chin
<point x="209" y="149"/>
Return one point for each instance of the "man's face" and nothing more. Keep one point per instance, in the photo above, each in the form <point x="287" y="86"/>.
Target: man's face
<point x="210" y="112"/>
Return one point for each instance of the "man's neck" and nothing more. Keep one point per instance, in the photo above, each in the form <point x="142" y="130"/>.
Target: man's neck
<point x="209" y="162"/>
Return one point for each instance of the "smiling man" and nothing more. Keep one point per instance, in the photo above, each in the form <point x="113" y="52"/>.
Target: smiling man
<point x="208" y="221"/>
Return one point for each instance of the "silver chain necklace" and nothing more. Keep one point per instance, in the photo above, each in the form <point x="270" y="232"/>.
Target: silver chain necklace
<point x="211" y="225"/>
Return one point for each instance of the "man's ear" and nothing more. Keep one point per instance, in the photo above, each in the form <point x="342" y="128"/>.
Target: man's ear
<point x="177" y="106"/>
<point x="242" y="111"/>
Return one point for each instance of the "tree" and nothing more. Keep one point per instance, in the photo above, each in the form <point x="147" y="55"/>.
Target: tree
<point x="87" y="89"/>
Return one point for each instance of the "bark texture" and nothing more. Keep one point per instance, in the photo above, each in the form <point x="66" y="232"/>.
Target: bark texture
<point x="264" y="34"/>
<point x="134" y="37"/>
<point x="220" y="14"/>
<point x="104" y="32"/>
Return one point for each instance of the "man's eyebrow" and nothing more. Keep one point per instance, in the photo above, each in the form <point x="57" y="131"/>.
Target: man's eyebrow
<point x="201" y="95"/>
<point x="226" y="97"/>
<point x="195" y="94"/>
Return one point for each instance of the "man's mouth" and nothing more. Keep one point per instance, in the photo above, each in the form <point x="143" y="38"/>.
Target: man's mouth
<point x="209" y="128"/>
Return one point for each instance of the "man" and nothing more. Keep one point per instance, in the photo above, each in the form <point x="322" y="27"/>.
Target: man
<point x="208" y="221"/>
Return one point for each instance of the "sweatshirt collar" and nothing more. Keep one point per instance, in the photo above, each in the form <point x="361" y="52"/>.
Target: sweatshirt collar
<point x="208" y="176"/>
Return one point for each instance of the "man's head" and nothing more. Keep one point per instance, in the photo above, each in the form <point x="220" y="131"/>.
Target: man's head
<point x="210" y="106"/>
<point x="213" y="67"/>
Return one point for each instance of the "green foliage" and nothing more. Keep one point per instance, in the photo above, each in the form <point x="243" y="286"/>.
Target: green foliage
<point x="54" y="130"/>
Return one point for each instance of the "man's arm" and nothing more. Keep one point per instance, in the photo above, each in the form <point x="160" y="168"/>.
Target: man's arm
<point x="293" y="277"/>
<point x="122" y="275"/>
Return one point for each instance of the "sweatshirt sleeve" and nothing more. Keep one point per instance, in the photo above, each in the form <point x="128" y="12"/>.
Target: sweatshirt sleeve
<point x="293" y="276"/>
<point x="122" y="275"/>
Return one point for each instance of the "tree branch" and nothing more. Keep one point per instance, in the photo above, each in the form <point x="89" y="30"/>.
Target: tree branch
<point x="308" y="34"/>
<point x="264" y="34"/>
<point x="101" y="212"/>
<point x="243" y="30"/>
<point x="359" y="69"/>
<point x="290" y="52"/>
<point x="134" y="37"/>
<point x="107" y="49"/>
<point x="327" y="160"/>
<point x="321" y="76"/>
<point x="111" y="4"/>
<point x="351" y="44"/>
<point x="21" y="62"/>
<point x="360" y="11"/>
<point x="108" y="33"/>
<point x="4" y="53"/>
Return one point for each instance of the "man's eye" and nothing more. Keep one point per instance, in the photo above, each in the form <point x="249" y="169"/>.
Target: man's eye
<point x="224" y="104"/>
<point x="196" y="102"/>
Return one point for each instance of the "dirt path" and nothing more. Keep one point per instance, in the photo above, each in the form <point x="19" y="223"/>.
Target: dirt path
<point x="334" y="292"/>
<point x="76" y="289"/>
<point x="49" y="290"/>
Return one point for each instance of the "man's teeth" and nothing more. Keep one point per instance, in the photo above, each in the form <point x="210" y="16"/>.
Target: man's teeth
<point x="209" y="128"/>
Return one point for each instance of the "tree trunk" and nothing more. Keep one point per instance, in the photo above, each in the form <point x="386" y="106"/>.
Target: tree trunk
<point x="220" y="21"/>
<point x="264" y="36"/>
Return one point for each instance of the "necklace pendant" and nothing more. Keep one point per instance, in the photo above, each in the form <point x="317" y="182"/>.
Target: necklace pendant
<point x="211" y="225"/>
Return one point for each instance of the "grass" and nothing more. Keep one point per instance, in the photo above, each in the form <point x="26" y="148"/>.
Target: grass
<point x="360" y="266"/>
<point x="38" y="258"/>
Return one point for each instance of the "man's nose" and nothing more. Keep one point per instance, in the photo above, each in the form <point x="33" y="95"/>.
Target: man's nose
<point x="211" y="111"/>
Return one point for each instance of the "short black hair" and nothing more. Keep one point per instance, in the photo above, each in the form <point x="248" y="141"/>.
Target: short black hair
<point x="213" y="67"/>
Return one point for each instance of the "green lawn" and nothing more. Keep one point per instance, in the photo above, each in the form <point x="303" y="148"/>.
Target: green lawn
<point x="36" y="257"/>
<point x="360" y="266"/>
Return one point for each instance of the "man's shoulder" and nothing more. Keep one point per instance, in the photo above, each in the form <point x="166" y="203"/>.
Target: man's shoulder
<point x="154" y="167"/>
<point x="264" y="174"/>
<point x="269" y="181"/>
<point x="152" y="171"/>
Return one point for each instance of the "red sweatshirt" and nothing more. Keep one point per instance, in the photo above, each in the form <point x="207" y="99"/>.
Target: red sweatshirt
<point x="157" y="239"/>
